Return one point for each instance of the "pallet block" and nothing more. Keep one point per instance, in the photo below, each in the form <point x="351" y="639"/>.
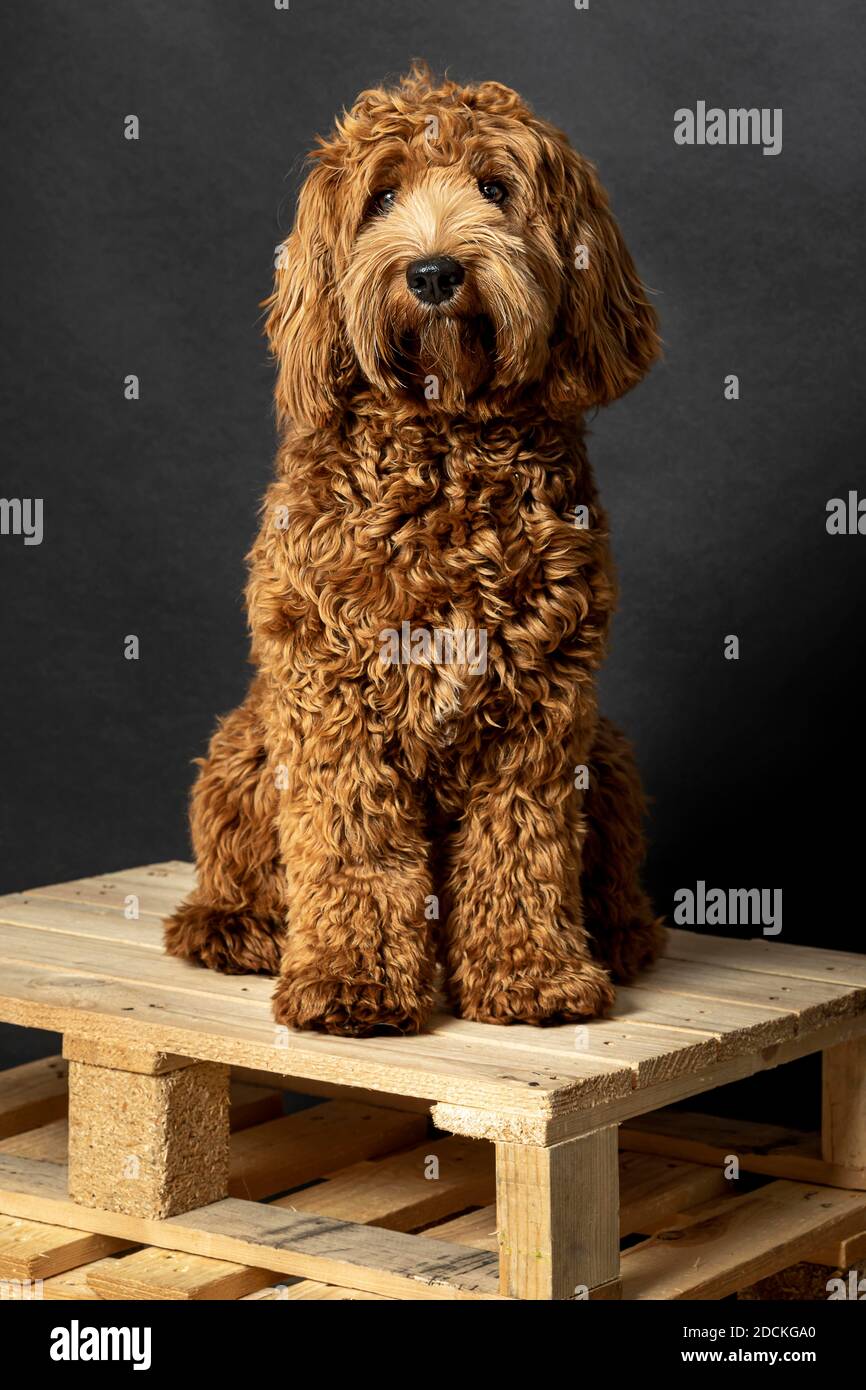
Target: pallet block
<point x="148" y="1143"/>
<point x="529" y="1197"/>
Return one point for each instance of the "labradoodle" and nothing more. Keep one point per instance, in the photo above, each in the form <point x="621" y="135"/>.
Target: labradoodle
<point x="419" y="772"/>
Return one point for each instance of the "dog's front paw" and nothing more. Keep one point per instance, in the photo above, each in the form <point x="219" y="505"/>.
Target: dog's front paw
<point x="569" y="995"/>
<point x="352" y="1008"/>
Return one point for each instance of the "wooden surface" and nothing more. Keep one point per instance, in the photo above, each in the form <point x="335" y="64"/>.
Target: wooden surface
<point x="33" y="1250"/>
<point x="704" y="1235"/>
<point x="86" y="959"/>
<point x="724" y="1245"/>
<point x="558" y="1216"/>
<point x="150" y="1145"/>
<point x="843" y="1123"/>
<point x="399" y="1192"/>
<point x="32" y="1094"/>
<point x="303" y="1244"/>
<point x="758" y="1147"/>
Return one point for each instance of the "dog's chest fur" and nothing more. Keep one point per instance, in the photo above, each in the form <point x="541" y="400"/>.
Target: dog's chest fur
<point x="442" y="571"/>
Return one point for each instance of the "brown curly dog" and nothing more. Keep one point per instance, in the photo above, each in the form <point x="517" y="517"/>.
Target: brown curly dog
<point x="419" y="768"/>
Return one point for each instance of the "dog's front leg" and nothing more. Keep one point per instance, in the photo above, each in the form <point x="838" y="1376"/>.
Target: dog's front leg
<point x="359" y="953"/>
<point x="515" y="943"/>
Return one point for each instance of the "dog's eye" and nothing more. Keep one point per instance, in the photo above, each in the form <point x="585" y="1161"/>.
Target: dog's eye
<point x="493" y="191"/>
<point x="384" y="201"/>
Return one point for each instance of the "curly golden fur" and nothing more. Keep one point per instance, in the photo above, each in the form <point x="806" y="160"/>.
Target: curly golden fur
<point x="359" y="817"/>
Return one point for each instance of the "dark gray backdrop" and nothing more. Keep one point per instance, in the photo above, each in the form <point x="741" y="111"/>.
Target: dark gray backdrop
<point x="151" y="258"/>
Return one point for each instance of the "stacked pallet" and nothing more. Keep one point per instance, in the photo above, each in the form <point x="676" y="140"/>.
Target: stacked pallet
<point x="557" y="1168"/>
<point x="686" y="1230"/>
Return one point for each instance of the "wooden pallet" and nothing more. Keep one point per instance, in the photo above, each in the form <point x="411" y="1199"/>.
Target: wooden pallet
<point x="526" y="1187"/>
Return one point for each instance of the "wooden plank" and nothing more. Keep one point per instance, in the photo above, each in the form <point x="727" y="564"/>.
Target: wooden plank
<point x="803" y="1282"/>
<point x="83" y="954"/>
<point x="246" y="1003"/>
<point x="651" y="1050"/>
<point x="727" y="1244"/>
<point x="329" y="1090"/>
<point x="32" y="1094"/>
<point x="648" y="1051"/>
<point x="163" y="1275"/>
<point x="686" y="1026"/>
<point x="558" y="1216"/>
<point x="654" y="1189"/>
<point x="56" y="917"/>
<point x="278" y="1154"/>
<point x="625" y="1039"/>
<point x="311" y="1289"/>
<point x="670" y="1031"/>
<point x="393" y="1193"/>
<point x="49" y="1142"/>
<point x="736" y="1027"/>
<point x="567" y="1119"/>
<point x="153" y="901"/>
<point x="296" y="1149"/>
<point x="72" y="1285"/>
<point x="97" y="1007"/>
<point x="813" y="1002"/>
<point x="407" y="1190"/>
<point x="121" y="1057"/>
<point x="843" y="1123"/>
<point x="759" y="1148"/>
<point x="770" y="956"/>
<point x="174" y="878"/>
<point x="239" y="1005"/>
<point x="652" y="1192"/>
<point x="308" y="1246"/>
<point x="252" y="1105"/>
<point x="302" y="1147"/>
<point x="841" y="1254"/>
<point x="33" y="1250"/>
<point x="475" y="1228"/>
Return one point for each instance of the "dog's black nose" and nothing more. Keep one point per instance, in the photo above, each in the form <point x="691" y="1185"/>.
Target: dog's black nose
<point x="434" y="279"/>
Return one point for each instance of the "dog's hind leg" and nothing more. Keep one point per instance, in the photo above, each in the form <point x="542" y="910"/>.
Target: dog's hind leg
<point x="625" y="935"/>
<point x="234" y="920"/>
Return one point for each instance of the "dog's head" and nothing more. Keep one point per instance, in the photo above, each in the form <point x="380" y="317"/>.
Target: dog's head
<point x="448" y="242"/>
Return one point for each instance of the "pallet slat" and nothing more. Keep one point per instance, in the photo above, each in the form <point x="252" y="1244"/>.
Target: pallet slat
<point x="337" y="1252"/>
<point x="296" y="1149"/>
<point x="155" y="1275"/>
<point x="395" y="1193"/>
<point x="759" y="1148"/>
<point x="32" y="1094"/>
<point x="34" y="1250"/>
<point x="725" y="1245"/>
<point x="391" y="1192"/>
<point x="772" y="956"/>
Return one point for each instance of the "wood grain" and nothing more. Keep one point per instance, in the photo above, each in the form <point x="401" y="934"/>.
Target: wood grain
<point x="758" y="1147"/>
<point x="558" y="1216"/>
<point x="723" y="1245"/>
<point x="251" y="1233"/>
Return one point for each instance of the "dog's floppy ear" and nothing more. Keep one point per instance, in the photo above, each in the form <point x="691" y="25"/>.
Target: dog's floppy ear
<point x="304" y="326"/>
<point x="606" y="337"/>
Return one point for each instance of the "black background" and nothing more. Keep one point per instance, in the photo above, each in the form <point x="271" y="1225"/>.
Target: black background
<point x="151" y="258"/>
